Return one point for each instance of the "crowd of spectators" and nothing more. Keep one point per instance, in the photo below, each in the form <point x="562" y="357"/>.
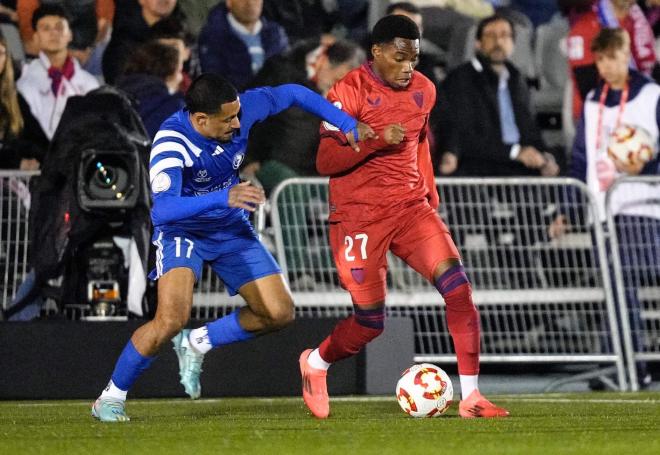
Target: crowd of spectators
<point x="271" y="41"/>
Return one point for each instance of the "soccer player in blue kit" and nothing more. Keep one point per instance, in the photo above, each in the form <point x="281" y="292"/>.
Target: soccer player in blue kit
<point x="200" y="213"/>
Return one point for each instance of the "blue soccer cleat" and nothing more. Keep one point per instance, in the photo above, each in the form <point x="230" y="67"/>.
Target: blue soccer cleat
<point x="109" y="410"/>
<point x="190" y="364"/>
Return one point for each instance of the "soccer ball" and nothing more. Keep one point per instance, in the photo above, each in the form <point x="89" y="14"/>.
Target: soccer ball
<point x="424" y="390"/>
<point x="630" y="144"/>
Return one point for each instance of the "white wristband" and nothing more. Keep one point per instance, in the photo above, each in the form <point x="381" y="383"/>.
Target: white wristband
<point x="515" y="151"/>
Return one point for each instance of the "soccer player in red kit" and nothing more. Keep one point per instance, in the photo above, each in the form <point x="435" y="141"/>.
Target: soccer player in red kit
<point x="384" y="198"/>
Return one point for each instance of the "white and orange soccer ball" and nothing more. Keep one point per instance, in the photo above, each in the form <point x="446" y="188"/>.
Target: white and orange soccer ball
<point x="630" y="144"/>
<point x="424" y="390"/>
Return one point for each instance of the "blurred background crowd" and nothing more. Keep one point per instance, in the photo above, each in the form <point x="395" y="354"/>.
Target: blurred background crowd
<point x="151" y="49"/>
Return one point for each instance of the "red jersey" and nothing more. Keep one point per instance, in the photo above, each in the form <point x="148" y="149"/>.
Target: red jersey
<point x="389" y="178"/>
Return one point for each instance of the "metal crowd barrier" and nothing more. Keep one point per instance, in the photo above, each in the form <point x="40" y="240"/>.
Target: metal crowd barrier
<point x="540" y="299"/>
<point x="14" y="210"/>
<point x="633" y="224"/>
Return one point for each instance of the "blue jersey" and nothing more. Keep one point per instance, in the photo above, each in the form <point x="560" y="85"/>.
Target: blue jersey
<point x="184" y="164"/>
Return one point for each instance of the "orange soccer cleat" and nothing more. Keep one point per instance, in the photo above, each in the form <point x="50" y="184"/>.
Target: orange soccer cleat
<point x="314" y="387"/>
<point x="476" y="405"/>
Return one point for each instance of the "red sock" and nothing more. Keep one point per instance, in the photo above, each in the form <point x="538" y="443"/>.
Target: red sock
<point x="347" y="339"/>
<point x="463" y="323"/>
<point x="462" y="318"/>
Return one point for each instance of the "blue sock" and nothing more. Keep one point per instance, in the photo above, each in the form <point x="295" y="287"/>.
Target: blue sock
<point x="129" y="367"/>
<point x="227" y="330"/>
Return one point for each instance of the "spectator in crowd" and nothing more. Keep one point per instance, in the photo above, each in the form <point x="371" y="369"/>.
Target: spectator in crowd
<point x="236" y="41"/>
<point x="17" y="146"/>
<point x="90" y="23"/>
<point x="607" y="14"/>
<point x="485" y="127"/>
<point x="51" y="79"/>
<point x="485" y="123"/>
<point x="131" y="27"/>
<point x="172" y="31"/>
<point x="623" y="97"/>
<point x="22" y="141"/>
<point x="152" y="77"/>
<point x="11" y="119"/>
<point x="432" y="59"/>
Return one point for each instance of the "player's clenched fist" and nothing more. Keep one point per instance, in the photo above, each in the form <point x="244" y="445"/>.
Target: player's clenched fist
<point x="246" y="196"/>
<point x="393" y="134"/>
<point x="364" y="132"/>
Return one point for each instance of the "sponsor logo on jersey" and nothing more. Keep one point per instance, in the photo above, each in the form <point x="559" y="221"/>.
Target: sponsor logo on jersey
<point x="375" y="102"/>
<point x="218" y="150"/>
<point x="330" y="126"/>
<point x="161" y="183"/>
<point x="419" y="98"/>
<point x="202" y="176"/>
<point x="238" y="159"/>
<point x="224" y="185"/>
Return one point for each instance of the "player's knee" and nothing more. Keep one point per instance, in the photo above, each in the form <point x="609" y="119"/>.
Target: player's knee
<point x="168" y="326"/>
<point x="371" y="323"/>
<point x="280" y="315"/>
<point x="455" y="287"/>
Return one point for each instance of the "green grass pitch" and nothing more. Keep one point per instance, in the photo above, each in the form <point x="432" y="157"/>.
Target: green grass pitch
<point x="595" y="423"/>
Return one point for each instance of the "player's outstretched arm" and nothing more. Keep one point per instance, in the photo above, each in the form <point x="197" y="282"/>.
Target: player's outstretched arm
<point x="266" y="101"/>
<point x="335" y="156"/>
<point x="289" y="95"/>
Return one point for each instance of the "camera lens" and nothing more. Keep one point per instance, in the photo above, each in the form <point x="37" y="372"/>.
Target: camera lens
<point x="105" y="176"/>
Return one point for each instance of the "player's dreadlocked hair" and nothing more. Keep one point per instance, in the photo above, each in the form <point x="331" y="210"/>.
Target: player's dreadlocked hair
<point x="208" y="93"/>
<point x="394" y="26"/>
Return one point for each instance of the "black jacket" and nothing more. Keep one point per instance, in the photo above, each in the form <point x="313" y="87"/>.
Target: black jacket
<point x="30" y="143"/>
<point x="153" y="102"/>
<point x="468" y="122"/>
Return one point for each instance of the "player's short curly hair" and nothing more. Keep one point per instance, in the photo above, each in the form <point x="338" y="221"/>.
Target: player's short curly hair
<point x="394" y="26"/>
<point x="208" y="92"/>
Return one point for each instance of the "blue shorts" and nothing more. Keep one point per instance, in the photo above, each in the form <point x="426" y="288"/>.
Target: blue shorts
<point x="237" y="257"/>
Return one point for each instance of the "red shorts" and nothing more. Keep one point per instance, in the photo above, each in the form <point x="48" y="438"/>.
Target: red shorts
<point x="419" y="237"/>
